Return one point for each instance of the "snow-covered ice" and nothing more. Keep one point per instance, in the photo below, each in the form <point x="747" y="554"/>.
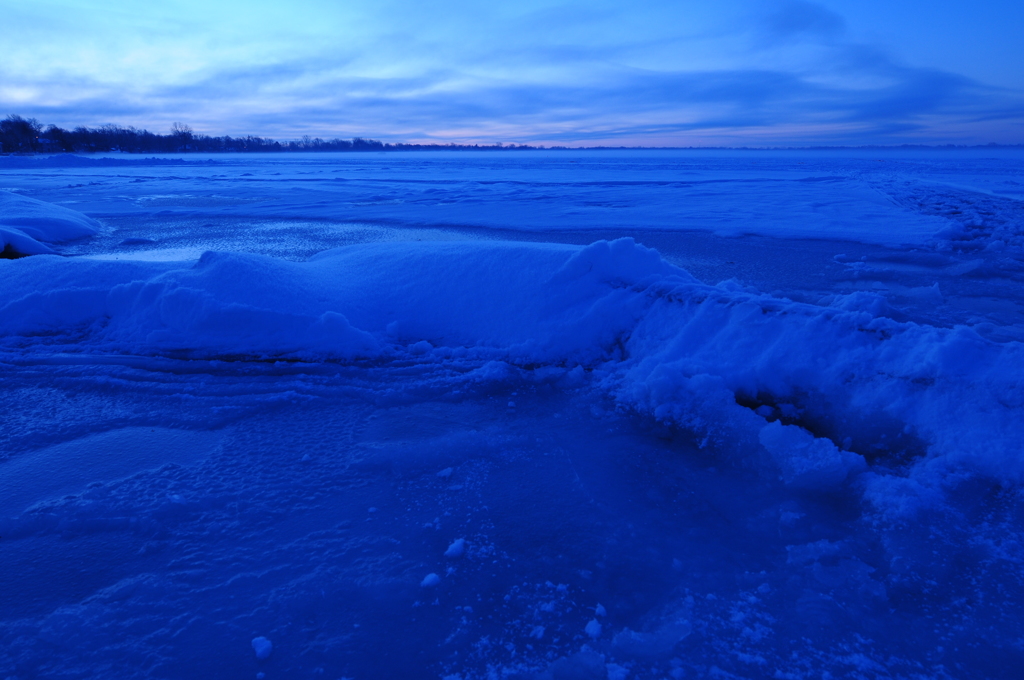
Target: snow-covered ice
<point x="747" y="414"/>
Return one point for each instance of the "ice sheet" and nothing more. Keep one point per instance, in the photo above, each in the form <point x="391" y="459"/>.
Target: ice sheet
<point x="868" y="197"/>
<point x="750" y="456"/>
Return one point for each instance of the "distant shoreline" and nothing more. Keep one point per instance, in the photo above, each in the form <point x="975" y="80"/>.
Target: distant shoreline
<point x="26" y="136"/>
<point x="402" y="147"/>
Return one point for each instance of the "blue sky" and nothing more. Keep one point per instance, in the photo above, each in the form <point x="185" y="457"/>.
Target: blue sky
<point x="731" y="72"/>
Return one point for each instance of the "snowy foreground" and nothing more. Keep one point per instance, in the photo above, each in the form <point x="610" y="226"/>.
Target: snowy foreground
<point x="513" y="415"/>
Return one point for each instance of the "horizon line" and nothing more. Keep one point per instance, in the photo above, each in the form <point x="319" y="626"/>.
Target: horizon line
<point x="33" y="138"/>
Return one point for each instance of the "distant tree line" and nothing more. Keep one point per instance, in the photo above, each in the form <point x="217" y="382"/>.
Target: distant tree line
<point x="27" y="135"/>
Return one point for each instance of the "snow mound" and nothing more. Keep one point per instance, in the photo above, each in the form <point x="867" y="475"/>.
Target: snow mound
<point x="814" y="394"/>
<point x="525" y="302"/>
<point x="26" y="224"/>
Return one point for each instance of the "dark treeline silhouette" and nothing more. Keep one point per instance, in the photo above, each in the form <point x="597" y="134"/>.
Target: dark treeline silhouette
<point x="27" y="135"/>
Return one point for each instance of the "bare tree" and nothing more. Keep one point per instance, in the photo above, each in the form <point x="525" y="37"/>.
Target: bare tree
<point x="19" y="134"/>
<point x="181" y="130"/>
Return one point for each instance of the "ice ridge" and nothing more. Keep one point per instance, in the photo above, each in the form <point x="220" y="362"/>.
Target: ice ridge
<point x="813" y="393"/>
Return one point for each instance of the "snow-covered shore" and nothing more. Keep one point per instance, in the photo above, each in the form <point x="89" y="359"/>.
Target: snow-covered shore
<point x="233" y="456"/>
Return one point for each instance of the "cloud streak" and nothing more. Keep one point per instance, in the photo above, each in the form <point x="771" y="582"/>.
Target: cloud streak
<point x="788" y="76"/>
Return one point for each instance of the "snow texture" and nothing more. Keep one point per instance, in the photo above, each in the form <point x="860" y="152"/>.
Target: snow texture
<point x="668" y="346"/>
<point x="551" y="415"/>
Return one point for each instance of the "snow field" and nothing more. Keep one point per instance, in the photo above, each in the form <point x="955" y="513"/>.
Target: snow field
<point x="570" y="514"/>
<point x="445" y="458"/>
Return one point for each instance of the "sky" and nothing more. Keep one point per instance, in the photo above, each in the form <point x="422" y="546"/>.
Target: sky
<point x="643" y="72"/>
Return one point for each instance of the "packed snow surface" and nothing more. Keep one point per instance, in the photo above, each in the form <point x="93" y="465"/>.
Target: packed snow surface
<point x="450" y="415"/>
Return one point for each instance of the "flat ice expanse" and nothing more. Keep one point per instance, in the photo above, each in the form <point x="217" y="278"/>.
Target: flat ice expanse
<point x="513" y="415"/>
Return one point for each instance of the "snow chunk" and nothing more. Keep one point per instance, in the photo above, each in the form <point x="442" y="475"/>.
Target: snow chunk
<point x="263" y="647"/>
<point x="807" y="461"/>
<point x="653" y="645"/>
<point x="430" y="580"/>
<point x="456" y="549"/>
<point x="593" y="629"/>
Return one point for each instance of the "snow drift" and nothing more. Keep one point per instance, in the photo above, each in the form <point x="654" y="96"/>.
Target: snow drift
<point x="26" y="224"/>
<point x="810" y="392"/>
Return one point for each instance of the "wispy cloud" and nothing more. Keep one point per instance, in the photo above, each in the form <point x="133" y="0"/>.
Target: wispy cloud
<point x="787" y="75"/>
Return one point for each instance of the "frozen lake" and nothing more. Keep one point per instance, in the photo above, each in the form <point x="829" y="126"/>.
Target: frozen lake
<point x="405" y="421"/>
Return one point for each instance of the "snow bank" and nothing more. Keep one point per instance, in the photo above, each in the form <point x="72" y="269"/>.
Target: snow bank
<point x="720" y="362"/>
<point x="809" y="392"/>
<point x="526" y="302"/>
<point x="27" y="224"/>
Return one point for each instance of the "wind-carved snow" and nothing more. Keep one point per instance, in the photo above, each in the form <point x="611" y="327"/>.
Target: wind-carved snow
<point x="27" y="225"/>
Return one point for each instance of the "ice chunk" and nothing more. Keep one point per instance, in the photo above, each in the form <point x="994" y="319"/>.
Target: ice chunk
<point x="456" y="549"/>
<point x="653" y="645"/>
<point x="492" y="371"/>
<point x="807" y="461"/>
<point x="862" y="301"/>
<point x="430" y="580"/>
<point x="262" y="647"/>
<point x="593" y="629"/>
<point x="585" y="664"/>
